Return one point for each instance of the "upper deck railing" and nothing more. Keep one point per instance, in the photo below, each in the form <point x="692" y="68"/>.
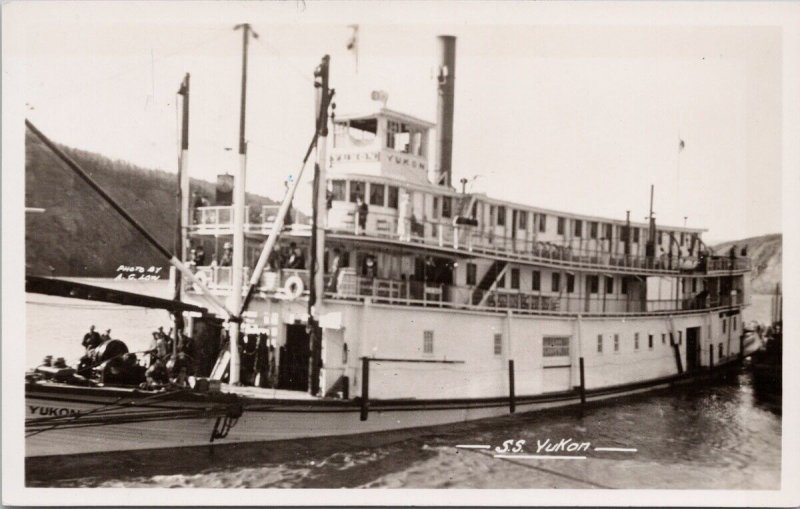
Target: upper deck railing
<point x="349" y="286"/>
<point x="467" y="239"/>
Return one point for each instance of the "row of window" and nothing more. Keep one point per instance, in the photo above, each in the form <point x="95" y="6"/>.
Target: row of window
<point x="384" y="195"/>
<point x="725" y="324"/>
<point x="592" y="281"/>
<point x="650" y="340"/>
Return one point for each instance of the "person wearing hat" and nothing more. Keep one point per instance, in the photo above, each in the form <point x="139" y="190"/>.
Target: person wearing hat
<point x="91" y="339"/>
<point x="227" y="255"/>
<point x="296" y="258"/>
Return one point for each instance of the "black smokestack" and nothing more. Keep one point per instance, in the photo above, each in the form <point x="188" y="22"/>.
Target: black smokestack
<point x="444" y="108"/>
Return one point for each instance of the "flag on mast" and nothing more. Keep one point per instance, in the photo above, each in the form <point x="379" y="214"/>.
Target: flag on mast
<point x="352" y="43"/>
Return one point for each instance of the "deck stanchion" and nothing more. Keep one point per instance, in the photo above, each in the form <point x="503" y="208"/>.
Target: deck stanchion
<point x="364" y="388"/>
<point x="512" y="403"/>
<point x="583" y="380"/>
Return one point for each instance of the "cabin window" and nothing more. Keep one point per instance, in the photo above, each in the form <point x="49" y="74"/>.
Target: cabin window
<point x="721" y="352"/>
<point x="594" y="283"/>
<point x="578" y="227"/>
<point x="560" y="227"/>
<point x="501" y="216"/>
<point x="498" y="344"/>
<point x="542" y="222"/>
<point x="393" y="200"/>
<point x="661" y="238"/>
<point x="522" y="219"/>
<point x="694" y="285"/>
<point x="515" y="279"/>
<point x="472" y="274"/>
<point x="724" y="325"/>
<point x="447" y="206"/>
<point x="609" y="284"/>
<point x="616" y="342"/>
<point x="570" y="283"/>
<point x="599" y="343"/>
<point x="650" y="341"/>
<point x="474" y="212"/>
<point x="624" y="286"/>
<point x="636" y="235"/>
<point x="555" y="282"/>
<point x="733" y="323"/>
<point x="636" y="341"/>
<point x="501" y="281"/>
<point x="435" y="208"/>
<point x="427" y="341"/>
<point x="555" y="346"/>
<point x="593" y="229"/>
<point x="609" y="230"/>
<point x="357" y="189"/>
<point x="664" y="338"/>
<point x="536" y="280"/>
<point x="376" y="194"/>
<point x="683" y="238"/>
<point x="339" y="190"/>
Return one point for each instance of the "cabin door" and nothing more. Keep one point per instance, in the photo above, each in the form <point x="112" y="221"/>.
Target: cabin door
<point x="294" y="359"/>
<point x="692" y="349"/>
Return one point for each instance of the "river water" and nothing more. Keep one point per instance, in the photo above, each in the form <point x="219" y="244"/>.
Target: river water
<point x="721" y="435"/>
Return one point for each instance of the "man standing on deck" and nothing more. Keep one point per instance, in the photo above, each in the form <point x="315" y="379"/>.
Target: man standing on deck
<point x="91" y="339"/>
<point x="362" y="209"/>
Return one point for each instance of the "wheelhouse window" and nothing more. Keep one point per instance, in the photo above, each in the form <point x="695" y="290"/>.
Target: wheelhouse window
<point x="609" y="230"/>
<point x="542" y="222"/>
<point x="555" y="282"/>
<point x="555" y="346"/>
<point x="636" y="235"/>
<point x="339" y="190"/>
<point x="357" y="189"/>
<point x="593" y="229"/>
<point x="447" y="206"/>
<point x="522" y="219"/>
<point x="377" y="194"/>
<point x="560" y="226"/>
<point x="393" y="200"/>
<point x="472" y="274"/>
<point x="515" y="279"/>
<point x="609" y="284"/>
<point x="578" y="227"/>
<point x="536" y="280"/>
<point x="501" y="216"/>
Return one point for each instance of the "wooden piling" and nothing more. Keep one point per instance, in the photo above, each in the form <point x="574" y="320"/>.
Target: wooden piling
<point x="512" y="403"/>
<point x="583" y="380"/>
<point x="364" y="388"/>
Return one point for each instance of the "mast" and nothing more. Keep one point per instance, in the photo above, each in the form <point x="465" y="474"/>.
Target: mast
<point x="181" y="237"/>
<point x="319" y="214"/>
<point x="239" y="213"/>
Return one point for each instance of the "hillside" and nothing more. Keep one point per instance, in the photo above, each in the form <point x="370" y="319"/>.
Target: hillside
<point x="78" y="234"/>
<point x="767" y="254"/>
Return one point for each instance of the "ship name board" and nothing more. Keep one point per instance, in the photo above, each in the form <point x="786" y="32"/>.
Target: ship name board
<point x="358" y="157"/>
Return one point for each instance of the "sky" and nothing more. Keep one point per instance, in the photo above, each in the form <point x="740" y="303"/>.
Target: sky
<point x="576" y="117"/>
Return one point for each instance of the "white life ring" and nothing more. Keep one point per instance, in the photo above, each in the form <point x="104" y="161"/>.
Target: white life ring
<point x="201" y="277"/>
<point x="293" y="287"/>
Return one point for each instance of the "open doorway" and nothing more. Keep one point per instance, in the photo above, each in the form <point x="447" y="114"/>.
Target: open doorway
<point x="294" y="357"/>
<point x="692" y="349"/>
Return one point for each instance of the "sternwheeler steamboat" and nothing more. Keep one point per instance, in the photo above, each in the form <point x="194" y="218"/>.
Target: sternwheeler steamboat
<point x="421" y="304"/>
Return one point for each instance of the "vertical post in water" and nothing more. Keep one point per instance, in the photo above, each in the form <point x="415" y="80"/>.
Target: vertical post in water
<point x="512" y="400"/>
<point x="239" y="183"/>
<point x="583" y="380"/>
<point x="364" y="388"/>
<point x="711" y="356"/>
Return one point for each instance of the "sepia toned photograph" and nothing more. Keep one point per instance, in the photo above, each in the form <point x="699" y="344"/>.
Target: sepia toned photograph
<point x="362" y="245"/>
